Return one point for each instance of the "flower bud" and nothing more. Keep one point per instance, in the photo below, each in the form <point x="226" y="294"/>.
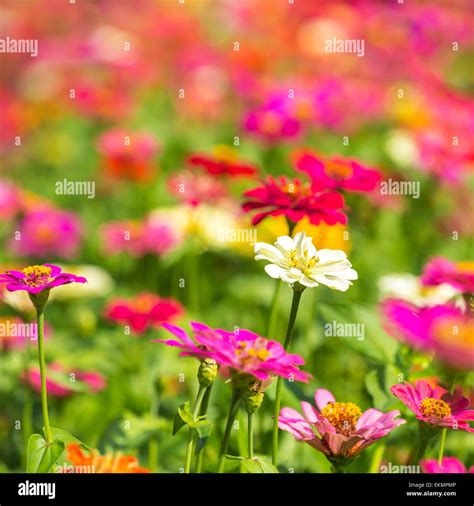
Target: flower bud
<point x="207" y="372"/>
<point x="253" y="400"/>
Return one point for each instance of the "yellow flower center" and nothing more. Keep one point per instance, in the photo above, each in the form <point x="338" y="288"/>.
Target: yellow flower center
<point x="465" y="267"/>
<point x="434" y="408"/>
<point x="339" y="170"/>
<point x="225" y="154"/>
<point x="342" y="416"/>
<point x="37" y="275"/>
<point x="256" y="351"/>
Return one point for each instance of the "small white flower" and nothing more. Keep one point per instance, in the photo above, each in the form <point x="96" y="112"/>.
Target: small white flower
<point x="297" y="260"/>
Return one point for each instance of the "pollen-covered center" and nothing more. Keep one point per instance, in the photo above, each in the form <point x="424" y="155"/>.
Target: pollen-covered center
<point x="342" y="416"/>
<point x="339" y="170"/>
<point x="249" y="351"/>
<point x="434" y="408"/>
<point x="37" y="275"/>
<point x="305" y="264"/>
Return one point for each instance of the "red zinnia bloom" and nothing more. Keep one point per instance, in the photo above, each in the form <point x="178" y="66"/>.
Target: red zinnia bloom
<point x="144" y="311"/>
<point x="337" y="173"/>
<point x="224" y="162"/>
<point x="295" y="200"/>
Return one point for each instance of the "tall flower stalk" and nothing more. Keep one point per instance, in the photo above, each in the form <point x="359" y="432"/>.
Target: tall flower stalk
<point x="297" y="292"/>
<point x="297" y="262"/>
<point x="37" y="281"/>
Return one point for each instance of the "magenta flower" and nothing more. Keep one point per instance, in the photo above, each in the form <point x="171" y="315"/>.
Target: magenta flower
<point x="337" y="173"/>
<point x="242" y="352"/>
<point x="459" y="275"/>
<point x="152" y="236"/>
<point x="448" y="465"/>
<point x="35" y="279"/>
<point x="294" y="200"/>
<point x="435" y="406"/>
<point x="340" y="430"/>
<point x="61" y="382"/>
<point x="143" y="311"/>
<point x="443" y="329"/>
<point x="48" y="232"/>
<point x="194" y="188"/>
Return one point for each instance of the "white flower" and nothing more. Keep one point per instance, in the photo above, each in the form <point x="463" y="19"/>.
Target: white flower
<point x="409" y="287"/>
<point x="297" y="260"/>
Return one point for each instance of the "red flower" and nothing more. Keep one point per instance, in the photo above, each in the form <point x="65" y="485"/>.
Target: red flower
<point x="223" y="163"/>
<point x="337" y="173"/>
<point x="144" y="311"/>
<point x="295" y="200"/>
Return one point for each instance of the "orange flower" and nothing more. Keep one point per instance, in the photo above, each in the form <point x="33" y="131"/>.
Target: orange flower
<point x="94" y="462"/>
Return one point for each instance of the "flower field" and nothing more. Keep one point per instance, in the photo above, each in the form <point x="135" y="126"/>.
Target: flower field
<point x="236" y="237"/>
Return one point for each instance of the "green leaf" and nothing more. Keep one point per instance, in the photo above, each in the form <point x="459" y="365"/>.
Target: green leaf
<point x="256" y="465"/>
<point x="203" y="428"/>
<point x="178" y="422"/>
<point x="41" y="456"/>
<point x="64" y="437"/>
<point x="184" y="413"/>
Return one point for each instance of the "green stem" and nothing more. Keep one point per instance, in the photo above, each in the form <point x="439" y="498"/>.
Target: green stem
<point x="250" y="433"/>
<point x="234" y="406"/>
<point x="377" y="458"/>
<point x="189" y="446"/>
<point x="289" y="333"/>
<point x="153" y="453"/>
<point x="420" y="451"/>
<point x="273" y="310"/>
<point x="445" y="429"/>
<point x="42" y="365"/>
<point x="203" y="412"/>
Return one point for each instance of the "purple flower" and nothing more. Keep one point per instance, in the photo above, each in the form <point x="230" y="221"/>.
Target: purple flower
<point x="35" y="279"/>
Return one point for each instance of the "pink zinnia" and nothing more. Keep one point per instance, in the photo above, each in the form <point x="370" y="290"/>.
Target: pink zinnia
<point x="10" y="200"/>
<point x="442" y="329"/>
<point x="143" y="311"/>
<point x="38" y="278"/>
<point x="152" y="236"/>
<point x="273" y="123"/>
<point x="59" y="384"/>
<point x="193" y="188"/>
<point x="448" y="465"/>
<point x="435" y="406"/>
<point x="460" y="275"/>
<point x="48" y="232"/>
<point x="337" y="173"/>
<point x="129" y="155"/>
<point x="242" y="352"/>
<point x="340" y="430"/>
<point x="295" y="200"/>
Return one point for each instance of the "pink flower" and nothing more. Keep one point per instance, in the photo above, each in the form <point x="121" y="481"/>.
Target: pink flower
<point x="10" y="200"/>
<point x="295" y="200"/>
<point x="242" y="352"/>
<point x="38" y="278"/>
<point x="129" y="155"/>
<point x="435" y="406"/>
<point x="337" y="173"/>
<point x="442" y="329"/>
<point x="448" y="465"/>
<point x="459" y="275"/>
<point x="48" y="232"/>
<point x="152" y="236"/>
<point x="273" y="121"/>
<point x="193" y="188"/>
<point x="143" y="311"/>
<point x="61" y="382"/>
<point x="340" y="430"/>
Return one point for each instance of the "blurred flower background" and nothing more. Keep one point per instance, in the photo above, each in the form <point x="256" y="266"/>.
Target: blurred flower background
<point x="150" y="144"/>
